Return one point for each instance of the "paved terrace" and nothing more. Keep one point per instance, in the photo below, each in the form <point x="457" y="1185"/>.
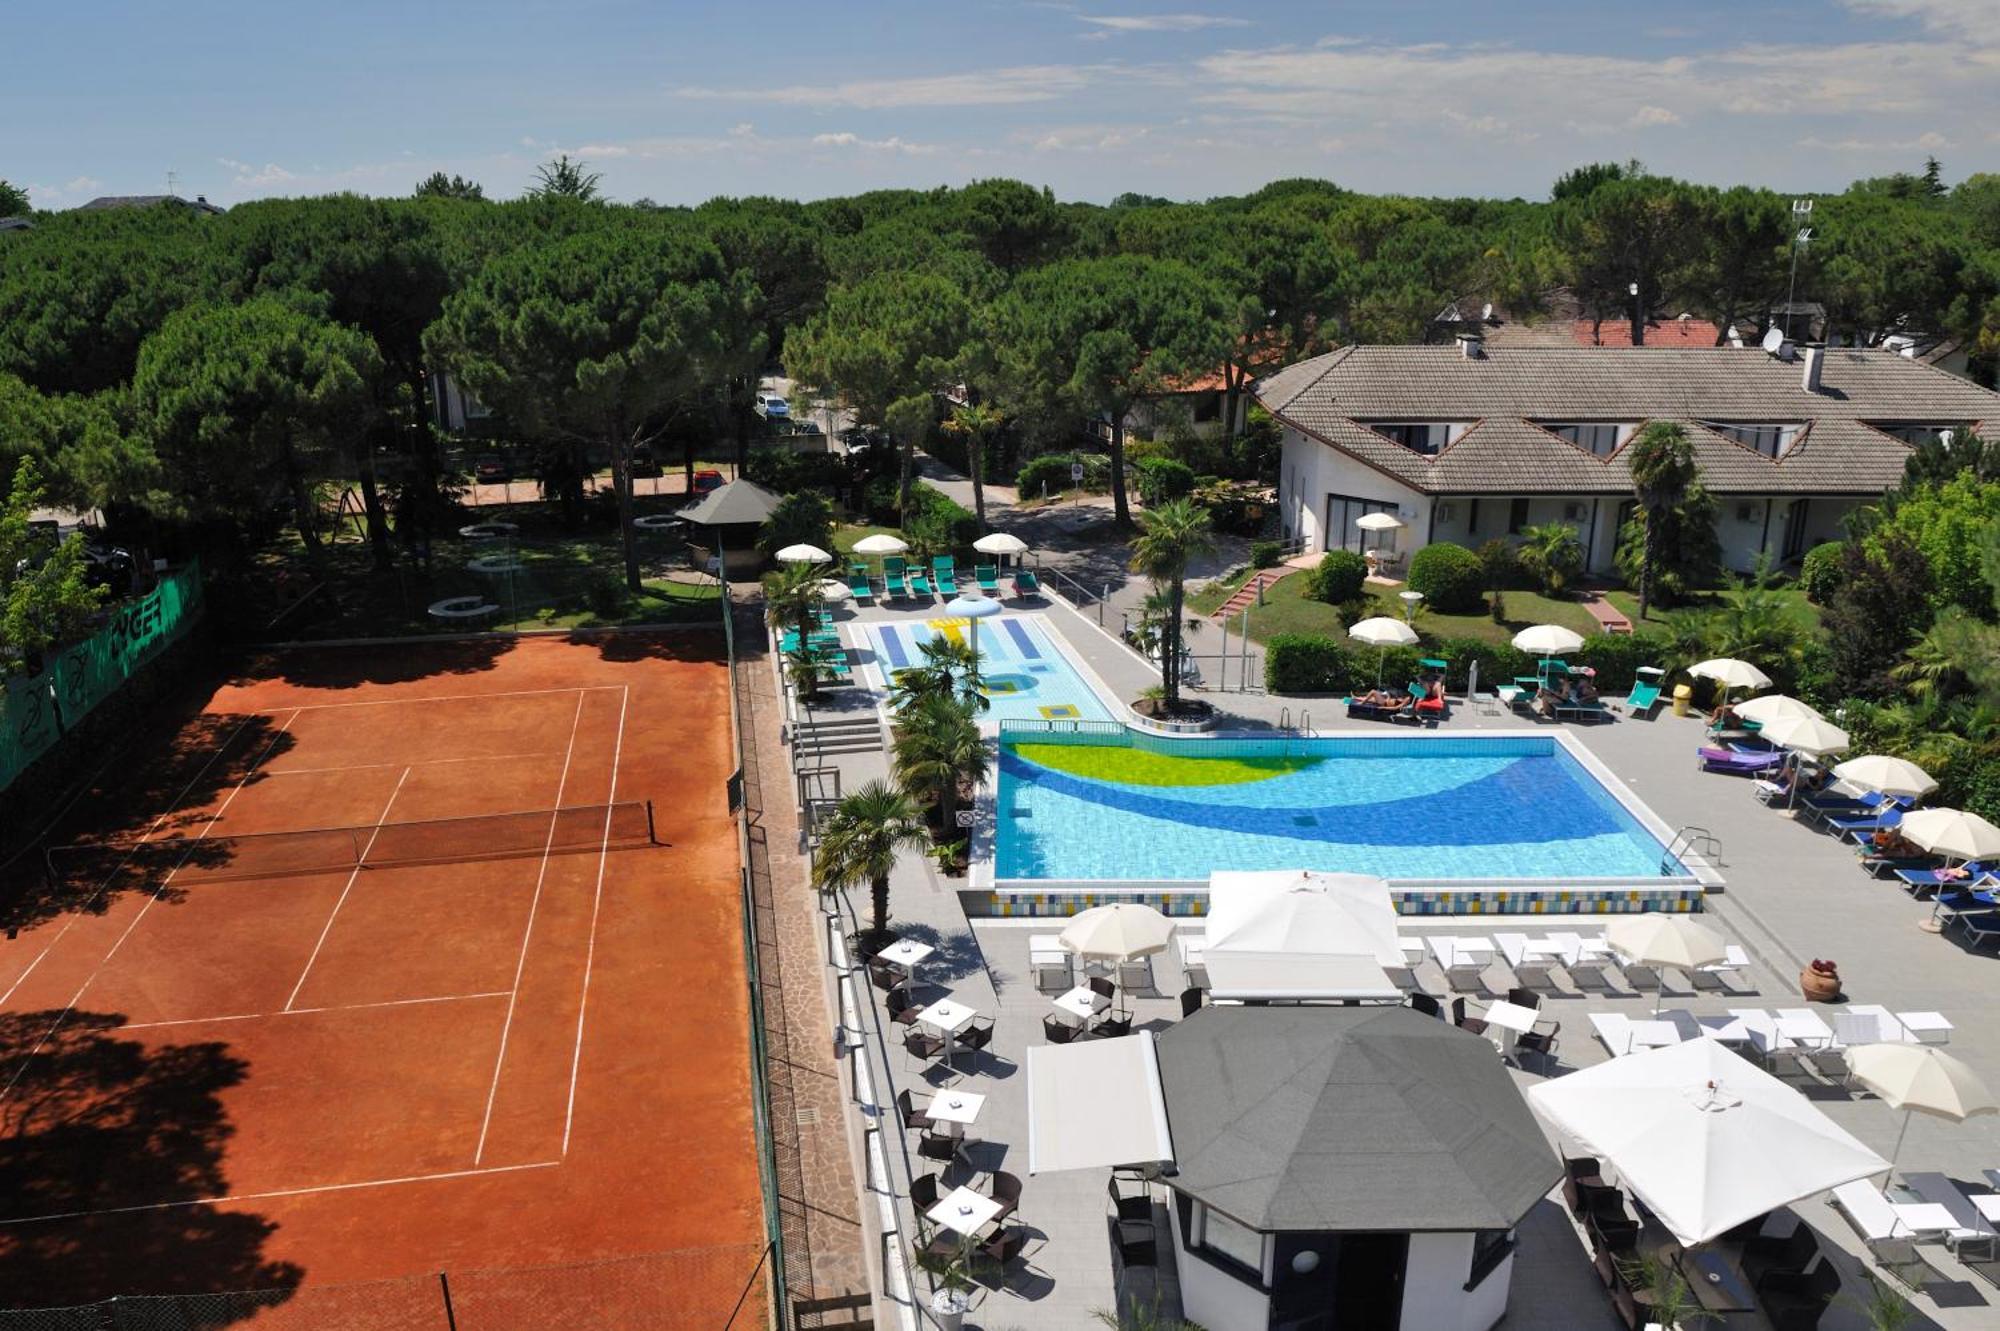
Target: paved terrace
<point x="1793" y="894"/>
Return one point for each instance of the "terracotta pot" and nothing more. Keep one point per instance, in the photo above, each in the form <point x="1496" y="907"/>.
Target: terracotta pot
<point x="1818" y="987"/>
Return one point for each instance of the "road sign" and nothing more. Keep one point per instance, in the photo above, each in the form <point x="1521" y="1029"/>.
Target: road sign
<point x="1076" y="473"/>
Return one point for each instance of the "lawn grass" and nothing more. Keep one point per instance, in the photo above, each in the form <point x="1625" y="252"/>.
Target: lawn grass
<point x="1287" y="609"/>
<point x="1796" y="605"/>
<point x="845" y="534"/>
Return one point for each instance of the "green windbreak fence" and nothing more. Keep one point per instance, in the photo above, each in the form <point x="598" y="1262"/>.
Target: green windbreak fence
<point x="39" y="711"/>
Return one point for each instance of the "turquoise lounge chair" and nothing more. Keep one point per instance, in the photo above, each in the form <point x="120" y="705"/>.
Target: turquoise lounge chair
<point x="1026" y="584"/>
<point x="944" y="572"/>
<point x="860" y="588"/>
<point x="1645" y="694"/>
<point x="989" y="578"/>
<point x="920" y="583"/>
<point x="895" y="583"/>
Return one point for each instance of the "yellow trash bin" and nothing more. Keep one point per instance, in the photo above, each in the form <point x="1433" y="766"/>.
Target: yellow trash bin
<point x="1683" y="694"/>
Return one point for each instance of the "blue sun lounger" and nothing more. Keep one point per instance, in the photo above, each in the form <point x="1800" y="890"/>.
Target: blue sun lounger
<point x="895" y="579"/>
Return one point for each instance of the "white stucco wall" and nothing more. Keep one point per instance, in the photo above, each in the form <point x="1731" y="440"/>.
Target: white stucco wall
<point x="1309" y="471"/>
<point x="1434" y="1294"/>
<point x="1495" y="509"/>
<point x="1214" y="1298"/>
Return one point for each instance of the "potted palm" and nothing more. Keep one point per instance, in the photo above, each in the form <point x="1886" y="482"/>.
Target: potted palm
<point x="1669" y="1304"/>
<point x="859" y="844"/>
<point x="951" y="1287"/>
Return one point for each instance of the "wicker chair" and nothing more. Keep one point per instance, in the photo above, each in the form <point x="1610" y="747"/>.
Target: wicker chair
<point x="1006" y="1190"/>
<point x="1057" y="1031"/>
<point x="913" y="1119"/>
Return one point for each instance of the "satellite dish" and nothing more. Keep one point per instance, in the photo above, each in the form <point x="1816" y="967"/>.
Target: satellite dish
<point x="1773" y="340"/>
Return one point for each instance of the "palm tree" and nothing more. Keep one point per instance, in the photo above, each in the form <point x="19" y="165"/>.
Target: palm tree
<point x="1171" y="536"/>
<point x="947" y="667"/>
<point x="792" y="599"/>
<point x="937" y="746"/>
<point x="1553" y="554"/>
<point x="1661" y="462"/>
<point x="860" y="842"/>
<point x="975" y="422"/>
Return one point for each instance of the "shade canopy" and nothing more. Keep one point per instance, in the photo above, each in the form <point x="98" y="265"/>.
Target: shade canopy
<point x="1000" y="543"/>
<point x="834" y="590"/>
<point x="1096" y="1104"/>
<point x="1953" y="832"/>
<point x="1122" y="931"/>
<point x="1807" y="734"/>
<point x="1886" y="775"/>
<point x="1731" y="673"/>
<point x="1349" y="1118"/>
<point x="1379" y="522"/>
<point x="1703" y="1137"/>
<point x="1297" y="910"/>
<point x="1922" y="1078"/>
<point x="735" y="504"/>
<point x="1381" y="631"/>
<point x="1547" y="639"/>
<point x="1774" y="707"/>
<point x="972" y="607"/>
<point x="1654" y="939"/>
<point x="1292" y="976"/>
<point x="803" y="554"/>
<point x="880" y="544"/>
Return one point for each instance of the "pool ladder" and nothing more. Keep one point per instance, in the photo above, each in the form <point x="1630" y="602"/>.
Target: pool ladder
<point x="1305" y="726"/>
<point x="1692" y="838"/>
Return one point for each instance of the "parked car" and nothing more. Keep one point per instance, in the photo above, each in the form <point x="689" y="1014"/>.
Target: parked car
<point x="643" y="461"/>
<point x="773" y="408"/>
<point x="707" y="479"/>
<point x="492" y="469"/>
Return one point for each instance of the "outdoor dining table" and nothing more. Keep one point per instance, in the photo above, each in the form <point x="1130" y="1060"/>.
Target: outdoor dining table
<point x="964" y="1212"/>
<point x="1082" y="1003"/>
<point x="947" y="1018"/>
<point x="1714" y="1281"/>
<point x="956" y="1110"/>
<point x="1512" y="1019"/>
<point x="905" y="953"/>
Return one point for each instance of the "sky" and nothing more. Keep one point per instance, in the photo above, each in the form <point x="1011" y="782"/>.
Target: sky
<point x="682" y="100"/>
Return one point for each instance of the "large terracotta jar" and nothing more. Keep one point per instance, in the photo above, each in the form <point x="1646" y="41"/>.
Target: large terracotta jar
<point x="1820" y="982"/>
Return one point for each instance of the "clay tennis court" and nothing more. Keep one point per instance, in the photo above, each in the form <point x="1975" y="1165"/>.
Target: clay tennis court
<point x="240" y="1060"/>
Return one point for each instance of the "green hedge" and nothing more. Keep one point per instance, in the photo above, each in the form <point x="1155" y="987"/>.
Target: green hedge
<point x="1451" y="577"/>
<point x="1053" y="468"/>
<point x="1337" y="578"/>
<point x="1819" y="573"/>
<point x="1162" y="479"/>
<point x="1305" y="663"/>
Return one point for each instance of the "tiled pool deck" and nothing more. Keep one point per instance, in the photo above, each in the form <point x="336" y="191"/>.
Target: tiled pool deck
<point x="1792" y="895"/>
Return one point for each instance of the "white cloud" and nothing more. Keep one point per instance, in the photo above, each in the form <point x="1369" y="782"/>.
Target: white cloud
<point x="892" y="144"/>
<point x="1654" y="115"/>
<point x="1929" y="141"/>
<point x="77" y="189"/>
<point x="1966" y="16"/>
<point x="601" y="150"/>
<point x="255" y="177"/>
<point x="1161" y="22"/>
<point x="1084" y="138"/>
<point x="992" y="87"/>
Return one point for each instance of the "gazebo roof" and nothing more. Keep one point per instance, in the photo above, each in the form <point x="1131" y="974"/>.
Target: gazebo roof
<point x="733" y="504"/>
<point x="1349" y="1118"/>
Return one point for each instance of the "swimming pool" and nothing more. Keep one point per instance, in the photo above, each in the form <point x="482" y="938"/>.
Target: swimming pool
<point x="1027" y="676"/>
<point x="1130" y="807"/>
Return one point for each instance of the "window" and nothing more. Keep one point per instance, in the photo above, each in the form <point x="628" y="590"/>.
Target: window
<point x="1418" y="436"/>
<point x="1772" y="440"/>
<point x="1913" y="433"/>
<point x="1490" y="1247"/>
<point x="1517" y="516"/>
<point x="1600" y="439"/>
<point x="1233" y="1242"/>
<point x="1472" y="517"/>
<point x="1207" y="407"/>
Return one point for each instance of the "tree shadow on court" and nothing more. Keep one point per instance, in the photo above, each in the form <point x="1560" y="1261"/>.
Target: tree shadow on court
<point x="94" y="853"/>
<point x="693" y="644"/>
<point x="96" y="1123"/>
<point x="330" y="667"/>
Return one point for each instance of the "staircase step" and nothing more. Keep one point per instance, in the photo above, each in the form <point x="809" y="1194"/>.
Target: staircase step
<point x="1247" y="593"/>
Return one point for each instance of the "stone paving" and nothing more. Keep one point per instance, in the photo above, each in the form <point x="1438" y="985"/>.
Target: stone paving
<point x="1792" y="894"/>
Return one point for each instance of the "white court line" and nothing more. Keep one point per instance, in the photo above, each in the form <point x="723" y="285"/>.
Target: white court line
<point x="596" y="903"/>
<point x="421" y="762"/>
<point x="449" y="697"/>
<point x="280" y="1192"/>
<point x="528" y="932"/>
<point x="346" y="888"/>
<point x="310" y="1011"/>
<point x="77" y="914"/>
<point x="140" y="914"/>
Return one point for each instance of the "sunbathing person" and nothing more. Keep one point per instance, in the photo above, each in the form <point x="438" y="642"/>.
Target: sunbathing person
<point x="1385" y="699"/>
<point x="1891" y="844"/>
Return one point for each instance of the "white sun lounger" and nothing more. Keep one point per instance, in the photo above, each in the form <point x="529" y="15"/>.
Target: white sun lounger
<point x="1970" y="1230"/>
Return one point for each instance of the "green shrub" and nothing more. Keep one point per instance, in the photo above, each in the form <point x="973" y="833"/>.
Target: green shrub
<point x="1497" y="661"/>
<point x="1819" y="574"/>
<point x="1266" y="554"/>
<point x="1305" y="663"/>
<point x="1052" y="470"/>
<point x="1617" y="657"/>
<point x="784" y="472"/>
<point x="1503" y="566"/>
<point x="1337" y="578"/>
<point x="1164" y="479"/>
<point x="1451" y="578"/>
<point x="605" y="595"/>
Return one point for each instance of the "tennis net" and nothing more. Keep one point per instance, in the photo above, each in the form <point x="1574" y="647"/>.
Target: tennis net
<point x="490" y="836"/>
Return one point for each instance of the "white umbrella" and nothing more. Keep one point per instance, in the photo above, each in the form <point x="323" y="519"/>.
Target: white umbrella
<point x="1654" y="939"/>
<point x="1379" y="522"/>
<point x="1731" y="673"/>
<point x="833" y="590"/>
<point x="1123" y="931"/>
<point x="1773" y="707"/>
<point x="1298" y="910"/>
<point x="1706" y="1139"/>
<point x="1921" y="1079"/>
<point x="1807" y="734"/>
<point x="1951" y="832"/>
<point x="804" y="554"/>
<point x="1547" y="639"/>
<point x="880" y="544"/>
<point x="1383" y="632"/>
<point x="1000" y="543"/>
<point x="1887" y="775"/>
<point x="974" y="608"/>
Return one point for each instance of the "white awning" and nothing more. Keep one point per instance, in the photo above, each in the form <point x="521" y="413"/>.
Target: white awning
<point x="1300" y="910"/>
<point x="1097" y="1104"/>
<point x="1297" y="976"/>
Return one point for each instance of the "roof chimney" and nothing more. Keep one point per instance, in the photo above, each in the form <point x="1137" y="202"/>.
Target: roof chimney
<point x="1815" y="358"/>
<point x="1471" y="346"/>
